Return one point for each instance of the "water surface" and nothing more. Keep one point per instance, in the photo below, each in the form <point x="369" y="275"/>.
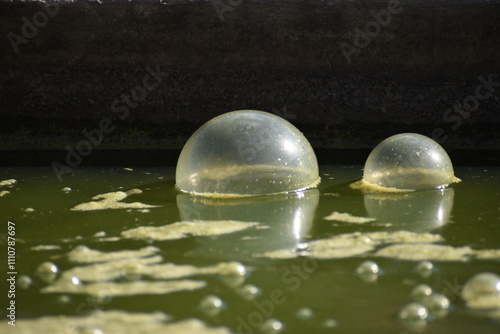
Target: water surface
<point x="286" y="289"/>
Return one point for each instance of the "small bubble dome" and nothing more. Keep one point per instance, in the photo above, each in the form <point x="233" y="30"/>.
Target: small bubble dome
<point x="245" y="153"/>
<point x="482" y="285"/>
<point x="409" y="161"/>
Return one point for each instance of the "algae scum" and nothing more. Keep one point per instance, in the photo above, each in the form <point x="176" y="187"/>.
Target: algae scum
<point x="120" y="250"/>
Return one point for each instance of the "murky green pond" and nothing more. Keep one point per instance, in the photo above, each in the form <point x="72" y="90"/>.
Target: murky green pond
<point x="259" y="265"/>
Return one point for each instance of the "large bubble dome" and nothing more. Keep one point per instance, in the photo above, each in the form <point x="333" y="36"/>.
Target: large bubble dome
<point x="245" y="153"/>
<point x="409" y="161"/>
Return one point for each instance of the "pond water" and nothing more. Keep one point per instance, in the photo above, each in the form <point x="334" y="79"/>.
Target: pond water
<point x="134" y="255"/>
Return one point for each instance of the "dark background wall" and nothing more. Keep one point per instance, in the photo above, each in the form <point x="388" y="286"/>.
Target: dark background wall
<point x="72" y="70"/>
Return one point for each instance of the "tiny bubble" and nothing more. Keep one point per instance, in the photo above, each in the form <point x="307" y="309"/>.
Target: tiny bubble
<point x="304" y="313"/>
<point x="271" y="326"/>
<point x="211" y="305"/>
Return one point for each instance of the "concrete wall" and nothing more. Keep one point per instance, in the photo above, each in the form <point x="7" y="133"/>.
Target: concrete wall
<point x="347" y="73"/>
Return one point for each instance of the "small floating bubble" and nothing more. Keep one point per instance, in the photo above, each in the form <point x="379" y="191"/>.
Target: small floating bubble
<point x="271" y="326"/>
<point x="211" y="305"/>
<point x="24" y="281"/>
<point x="438" y="305"/>
<point x="64" y="299"/>
<point x="66" y="189"/>
<point x="249" y="291"/>
<point x="368" y="271"/>
<point x="100" y="234"/>
<point x="421" y="292"/>
<point x="482" y="285"/>
<point x="234" y="274"/>
<point x="69" y="282"/>
<point x="424" y="268"/>
<point x="330" y="323"/>
<point x="236" y="268"/>
<point x="47" y="271"/>
<point x="367" y="267"/>
<point x="80" y="249"/>
<point x="413" y="316"/>
<point x="409" y="161"/>
<point x="29" y="210"/>
<point x="304" y="313"/>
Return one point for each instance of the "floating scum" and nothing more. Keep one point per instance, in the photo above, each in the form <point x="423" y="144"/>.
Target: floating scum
<point x="246" y="153"/>
<point x="406" y="162"/>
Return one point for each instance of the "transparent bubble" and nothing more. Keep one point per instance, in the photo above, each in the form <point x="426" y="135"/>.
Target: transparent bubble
<point x="249" y="291"/>
<point x="234" y="274"/>
<point x="70" y="282"/>
<point x="81" y="249"/>
<point x="421" y="292"/>
<point x="211" y="305"/>
<point x="413" y="316"/>
<point x="47" y="271"/>
<point x="482" y="285"/>
<point x="271" y="326"/>
<point x="368" y="271"/>
<point x="24" y="281"/>
<point x="100" y="234"/>
<point x="64" y="299"/>
<point x="330" y="323"/>
<point x="438" y="305"/>
<point x="367" y="267"/>
<point x="244" y="153"/>
<point x="424" y="268"/>
<point x="235" y="269"/>
<point x="409" y="161"/>
<point x="304" y="313"/>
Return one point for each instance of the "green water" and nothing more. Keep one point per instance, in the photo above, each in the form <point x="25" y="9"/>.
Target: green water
<point x="468" y="214"/>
